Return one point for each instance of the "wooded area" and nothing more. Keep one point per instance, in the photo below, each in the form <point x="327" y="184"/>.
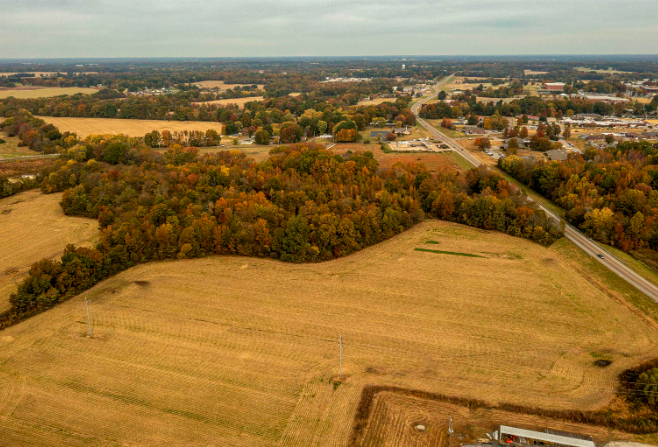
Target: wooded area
<point x="303" y="204"/>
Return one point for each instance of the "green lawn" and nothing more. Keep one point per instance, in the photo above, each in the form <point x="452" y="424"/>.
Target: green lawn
<point x="10" y="148"/>
<point x="450" y="133"/>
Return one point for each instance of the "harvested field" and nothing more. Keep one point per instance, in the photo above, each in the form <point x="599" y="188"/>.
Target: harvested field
<point x="14" y="168"/>
<point x="41" y="74"/>
<point x="533" y="72"/>
<point x="43" y="92"/>
<point x="483" y="100"/>
<point x="237" y="101"/>
<point x="394" y="416"/>
<point x="221" y="85"/>
<point x="11" y="149"/>
<point x="374" y="102"/>
<point x="257" y="152"/>
<point x="608" y="70"/>
<point x="241" y="351"/>
<point x="134" y="128"/>
<point x="32" y="227"/>
<point x="433" y="161"/>
<point x="37" y="74"/>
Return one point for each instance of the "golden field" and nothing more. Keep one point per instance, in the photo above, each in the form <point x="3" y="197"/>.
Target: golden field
<point x="134" y="128"/>
<point x="374" y="102"/>
<point x="45" y="92"/>
<point x="394" y="417"/>
<point x="255" y="151"/>
<point x="43" y="74"/>
<point x="237" y="101"/>
<point x="433" y="161"/>
<point x="32" y="227"/>
<point x="221" y="85"/>
<point x="239" y="351"/>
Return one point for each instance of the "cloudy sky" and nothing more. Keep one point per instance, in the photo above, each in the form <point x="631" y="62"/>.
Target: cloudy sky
<point x="234" y="28"/>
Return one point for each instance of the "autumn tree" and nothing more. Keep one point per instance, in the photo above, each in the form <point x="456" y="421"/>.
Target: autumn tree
<point x="153" y="139"/>
<point x="346" y="136"/>
<point x="291" y="133"/>
<point x="262" y="137"/>
<point x="482" y="142"/>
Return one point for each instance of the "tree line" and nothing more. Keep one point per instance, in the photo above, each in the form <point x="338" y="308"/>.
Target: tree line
<point x="530" y="105"/>
<point x="303" y="204"/>
<point x="610" y="194"/>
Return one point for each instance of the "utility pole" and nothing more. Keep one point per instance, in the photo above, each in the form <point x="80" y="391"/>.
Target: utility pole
<point x="340" y="364"/>
<point x="450" y="432"/>
<point x="91" y="333"/>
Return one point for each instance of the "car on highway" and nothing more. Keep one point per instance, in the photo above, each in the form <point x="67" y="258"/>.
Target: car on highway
<point x="601" y="256"/>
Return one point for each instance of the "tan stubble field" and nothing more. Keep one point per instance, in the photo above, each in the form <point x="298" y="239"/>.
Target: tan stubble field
<point x="33" y="227"/>
<point x="240" y="351"/>
<point x="133" y="128"/>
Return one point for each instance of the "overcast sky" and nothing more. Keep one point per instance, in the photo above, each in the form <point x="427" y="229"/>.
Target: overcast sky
<point x="216" y="28"/>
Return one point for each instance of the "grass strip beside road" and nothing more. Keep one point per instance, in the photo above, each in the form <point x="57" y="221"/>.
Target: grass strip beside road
<point x="461" y="161"/>
<point x="635" y="264"/>
<point x="441" y="252"/>
<point x="605" y="278"/>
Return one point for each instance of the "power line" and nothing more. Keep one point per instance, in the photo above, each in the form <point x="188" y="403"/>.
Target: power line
<point x="91" y="333"/>
<point x="340" y="364"/>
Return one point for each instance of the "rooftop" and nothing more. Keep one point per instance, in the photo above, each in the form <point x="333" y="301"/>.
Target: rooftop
<point x="565" y="439"/>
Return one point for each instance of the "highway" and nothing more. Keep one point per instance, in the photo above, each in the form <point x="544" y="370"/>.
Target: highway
<point x="570" y="232"/>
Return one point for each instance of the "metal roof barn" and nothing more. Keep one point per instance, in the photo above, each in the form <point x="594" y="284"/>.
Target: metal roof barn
<point x="551" y="438"/>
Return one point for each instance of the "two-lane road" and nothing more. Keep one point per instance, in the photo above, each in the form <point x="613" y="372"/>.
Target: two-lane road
<point x="570" y="232"/>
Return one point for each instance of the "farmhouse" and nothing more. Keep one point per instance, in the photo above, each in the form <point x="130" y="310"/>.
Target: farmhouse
<point x="522" y="437"/>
